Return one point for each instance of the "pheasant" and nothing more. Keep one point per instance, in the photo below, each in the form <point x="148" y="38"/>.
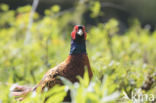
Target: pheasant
<point x="72" y="67"/>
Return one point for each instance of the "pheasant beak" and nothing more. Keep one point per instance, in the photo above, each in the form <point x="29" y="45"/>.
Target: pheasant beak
<point x="80" y="32"/>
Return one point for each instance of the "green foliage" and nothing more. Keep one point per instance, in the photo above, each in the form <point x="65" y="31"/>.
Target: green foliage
<point x="120" y="63"/>
<point x="4" y="7"/>
<point x="95" y="9"/>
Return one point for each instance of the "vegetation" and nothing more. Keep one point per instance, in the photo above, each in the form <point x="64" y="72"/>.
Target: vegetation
<point x="121" y="63"/>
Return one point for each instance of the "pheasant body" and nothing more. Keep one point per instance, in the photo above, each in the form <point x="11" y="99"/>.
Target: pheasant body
<point x="72" y="67"/>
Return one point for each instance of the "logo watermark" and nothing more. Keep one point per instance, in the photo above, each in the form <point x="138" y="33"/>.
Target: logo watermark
<point x="137" y="96"/>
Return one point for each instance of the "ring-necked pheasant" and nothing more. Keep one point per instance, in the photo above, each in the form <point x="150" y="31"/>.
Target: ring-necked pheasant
<point x="73" y="66"/>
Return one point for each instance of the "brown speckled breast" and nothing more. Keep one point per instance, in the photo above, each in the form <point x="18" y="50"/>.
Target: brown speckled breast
<point x="76" y="65"/>
<point x="72" y="67"/>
